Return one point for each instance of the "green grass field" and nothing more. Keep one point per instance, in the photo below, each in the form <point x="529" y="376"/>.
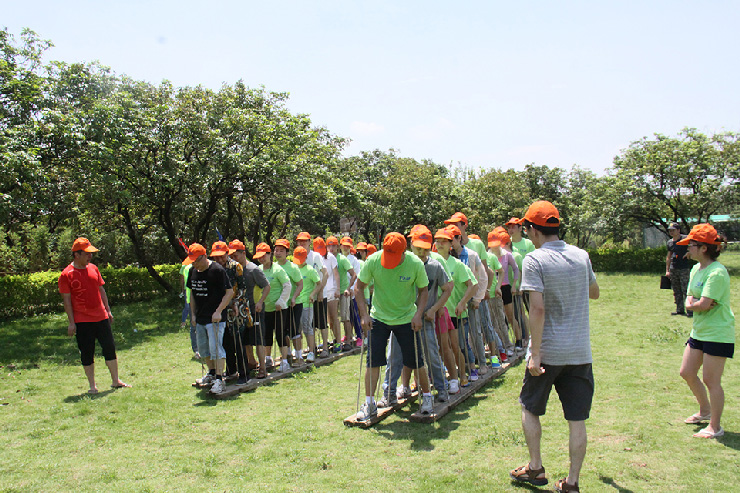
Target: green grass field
<point x="163" y="435"/>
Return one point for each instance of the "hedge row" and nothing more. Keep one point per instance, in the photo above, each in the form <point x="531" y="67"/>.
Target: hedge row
<point x="29" y="294"/>
<point x="648" y="260"/>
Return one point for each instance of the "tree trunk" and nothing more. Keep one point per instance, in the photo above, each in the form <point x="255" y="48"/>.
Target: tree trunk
<point x="139" y="251"/>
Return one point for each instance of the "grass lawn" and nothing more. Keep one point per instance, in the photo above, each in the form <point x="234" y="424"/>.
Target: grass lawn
<point x="163" y="435"/>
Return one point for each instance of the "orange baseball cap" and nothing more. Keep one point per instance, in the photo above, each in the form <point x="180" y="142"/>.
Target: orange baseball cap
<point x="84" y="245"/>
<point x="457" y="217"/>
<point x="303" y="235"/>
<point x="346" y="241"/>
<point x="235" y="246"/>
<point x="493" y="240"/>
<point x="319" y="246"/>
<point x="194" y="251"/>
<point x="262" y="250"/>
<point x="543" y="213"/>
<point x="514" y="221"/>
<point x="419" y="228"/>
<point x="219" y="248"/>
<point x="474" y="237"/>
<point x="454" y="230"/>
<point x="283" y="243"/>
<point x="443" y="234"/>
<point x="423" y="240"/>
<point x="361" y="246"/>
<point x="371" y="249"/>
<point x="299" y="255"/>
<point x="703" y="233"/>
<point x="332" y="240"/>
<point x="394" y="246"/>
<point x="504" y="237"/>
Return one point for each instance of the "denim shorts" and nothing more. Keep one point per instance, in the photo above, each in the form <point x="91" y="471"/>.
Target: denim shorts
<point x="211" y="340"/>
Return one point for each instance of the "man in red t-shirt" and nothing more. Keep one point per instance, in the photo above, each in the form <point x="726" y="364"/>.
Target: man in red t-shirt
<point x="86" y="304"/>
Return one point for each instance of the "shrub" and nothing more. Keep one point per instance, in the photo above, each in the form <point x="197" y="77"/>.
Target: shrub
<point x="649" y="260"/>
<point x="29" y="294"/>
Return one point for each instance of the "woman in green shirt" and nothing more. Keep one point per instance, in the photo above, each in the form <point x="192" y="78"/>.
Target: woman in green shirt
<point x="712" y="338"/>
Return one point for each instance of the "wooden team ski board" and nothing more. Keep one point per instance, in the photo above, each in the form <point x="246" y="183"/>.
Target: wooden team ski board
<point x="232" y="389"/>
<point x="382" y="413"/>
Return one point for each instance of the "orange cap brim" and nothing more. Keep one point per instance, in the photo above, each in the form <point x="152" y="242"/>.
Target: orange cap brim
<point x="390" y="260"/>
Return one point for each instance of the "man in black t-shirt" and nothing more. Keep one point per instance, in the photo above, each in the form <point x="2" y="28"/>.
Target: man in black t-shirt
<point x="678" y="268"/>
<point x="210" y="295"/>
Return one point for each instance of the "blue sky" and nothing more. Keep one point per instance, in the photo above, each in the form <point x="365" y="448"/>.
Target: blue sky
<point x="477" y="83"/>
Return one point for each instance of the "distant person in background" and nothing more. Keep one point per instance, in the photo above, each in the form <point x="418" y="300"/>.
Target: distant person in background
<point x="678" y="268"/>
<point x="712" y="338"/>
<point x="88" y="312"/>
<point x="185" y="295"/>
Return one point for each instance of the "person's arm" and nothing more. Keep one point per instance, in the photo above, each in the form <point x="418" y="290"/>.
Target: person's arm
<point x="704" y="304"/>
<point x="446" y="292"/>
<point x="298" y="289"/>
<point x="421" y="303"/>
<point x="228" y="295"/>
<point x="182" y="285"/>
<point x="362" y="305"/>
<point x="324" y="278"/>
<point x="335" y="273"/>
<point x="668" y="264"/>
<point x="282" y="302"/>
<point x="462" y="306"/>
<point x="104" y="297"/>
<point x="593" y="290"/>
<point x="489" y="273"/>
<point x="67" y="300"/>
<point x="536" y="326"/>
<point x="352" y="278"/>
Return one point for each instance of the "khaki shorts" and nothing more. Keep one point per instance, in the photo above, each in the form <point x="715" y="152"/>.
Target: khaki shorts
<point x="344" y="302"/>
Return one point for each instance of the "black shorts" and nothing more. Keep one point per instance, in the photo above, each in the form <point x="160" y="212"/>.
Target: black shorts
<point x="506" y="294"/>
<point x="573" y="383"/>
<point x="722" y="349"/>
<point x="404" y="335"/>
<point x="294" y="321"/>
<point x="251" y="336"/>
<point x="319" y="314"/>
<point x="86" y="334"/>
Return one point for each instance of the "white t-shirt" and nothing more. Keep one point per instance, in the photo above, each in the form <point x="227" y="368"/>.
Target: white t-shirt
<point x="356" y="266"/>
<point x="330" y="262"/>
<point x="314" y="260"/>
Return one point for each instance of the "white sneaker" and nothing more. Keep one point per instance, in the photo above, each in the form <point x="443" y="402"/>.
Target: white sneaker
<point x="217" y="387"/>
<point x="207" y="380"/>
<point x="509" y="352"/>
<point x="454" y="387"/>
<point x="268" y="361"/>
<point x="386" y="402"/>
<point x="310" y="358"/>
<point x="284" y="366"/>
<point x="367" y="411"/>
<point x="427" y="404"/>
<point x="403" y="392"/>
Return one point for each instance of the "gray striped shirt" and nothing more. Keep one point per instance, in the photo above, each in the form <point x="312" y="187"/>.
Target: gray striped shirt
<point x="563" y="274"/>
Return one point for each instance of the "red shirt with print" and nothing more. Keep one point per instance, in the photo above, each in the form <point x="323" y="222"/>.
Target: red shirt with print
<point x="84" y="286"/>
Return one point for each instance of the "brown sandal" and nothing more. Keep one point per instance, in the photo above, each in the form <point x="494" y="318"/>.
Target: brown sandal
<point x="526" y="475"/>
<point x="562" y="485"/>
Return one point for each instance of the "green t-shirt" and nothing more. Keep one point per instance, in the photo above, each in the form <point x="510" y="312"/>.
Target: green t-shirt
<point x="518" y="258"/>
<point x="494" y="265"/>
<point x="185" y="272"/>
<point x="366" y="291"/>
<point x="394" y="302"/>
<point x="277" y="277"/>
<point x="718" y="323"/>
<point x="293" y="274"/>
<point x="458" y="273"/>
<point x="343" y="266"/>
<point x="478" y="247"/>
<point x="310" y="279"/>
<point x="521" y="248"/>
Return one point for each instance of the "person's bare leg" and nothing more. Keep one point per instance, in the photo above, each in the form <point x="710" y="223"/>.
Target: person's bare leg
<point x="334" y="319"/>
<point x="447" y="356"/>
<point x="690" y="364"/>
<point x="459" y="357"/>
<point x="509" y="311"/>
<point x="577" y="447"/>
<point x="421" y="376"/>
<point x="406" y="377"/>
<point x="249" y="350"/>
<point x="113" y="369"/>
<point x="533" y="434"/>
<point x="90" y="374"/>
<point x="219" y="365"/>
<point x="712" y="375"/>
<point x="311" y="341"/>
<point x="371" y="381"/>
<point x="210" y="364"/>
<point x="348" y="331"/>
<point x="261" y="354"/>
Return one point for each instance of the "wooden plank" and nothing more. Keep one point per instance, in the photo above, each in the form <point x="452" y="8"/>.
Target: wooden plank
<point x="443" y="408"/>
<point x="382" y="413"/>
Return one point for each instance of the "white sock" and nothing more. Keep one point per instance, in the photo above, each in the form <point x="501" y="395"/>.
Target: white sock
<point x="369" y="399"/>
<point x="426" y="394"/>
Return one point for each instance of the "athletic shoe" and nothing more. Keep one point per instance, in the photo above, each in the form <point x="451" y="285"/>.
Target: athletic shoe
<point x="473" y="375"/>
<point x="427" y="404"/>
<point x="208" y="379"/>
<point x="442" y="397"/>
<point x="242" y="381"/>
<point x="310" y="358"/>
<point x="464" y="381"/>
<point x="509" y="352"/>
<point x="494" y="362"/>
<point x="269" y="362"/>
<point x="358" y="343"/>
<point x="367" y="411"/>
<point x="217" y="387"/>
<point x="678" y="313"/>
<point x="337" y="348"/>
<point x="284" y="366"/>
<point x="502" y="357"/>
<point x="403" y="392"/>
<point x="454" y="387"/>
<point x="386" y="402"/>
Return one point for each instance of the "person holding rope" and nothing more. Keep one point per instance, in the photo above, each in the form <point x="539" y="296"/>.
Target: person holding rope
<point x="88" y="312"/>
<point x="347" y="276"/>
<point x="398" y="307"/>
<point x="253" y="276"/>
<point x="348" y="250"/>
<point x="292" y="317"/>
<point x="211" y="292"/>
<point x="510" y="273"/>
<point x="275" y="303"/>
<point x="519" y="248"/>
<point x="306" y="298"/>
<point x="315" y="259"/>
<point x="331" y="293"/>
<point x="560" y="282"/>
<point x="233" y="346"/>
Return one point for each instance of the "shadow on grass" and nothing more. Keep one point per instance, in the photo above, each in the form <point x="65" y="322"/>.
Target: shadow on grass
<point x="730" y="439"/>
<point x="73" y="399"/>
<point x="610" y="482"/>
<point x="29" y="341"/>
